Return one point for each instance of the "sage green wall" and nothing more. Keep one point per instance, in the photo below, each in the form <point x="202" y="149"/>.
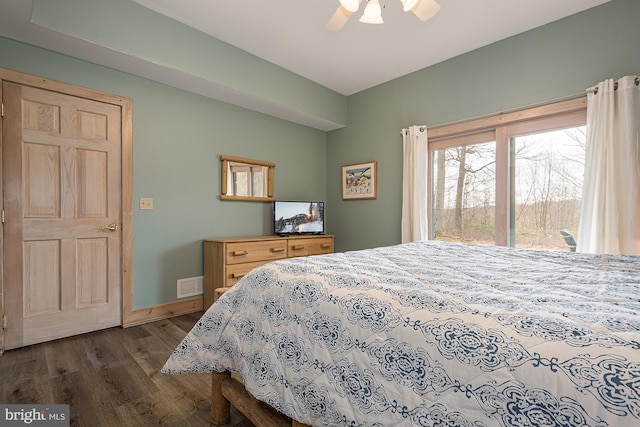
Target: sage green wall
<point x="178" y="136"/>
<point x="177" y="140"/>
<point x="225" y="72"/>
<point x="554" y="61"/>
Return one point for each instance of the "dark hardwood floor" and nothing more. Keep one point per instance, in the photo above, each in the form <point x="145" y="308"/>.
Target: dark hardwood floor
<point x="112" y="377"/>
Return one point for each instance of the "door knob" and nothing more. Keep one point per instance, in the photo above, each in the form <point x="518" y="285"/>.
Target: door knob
<point x="111" y="227"/>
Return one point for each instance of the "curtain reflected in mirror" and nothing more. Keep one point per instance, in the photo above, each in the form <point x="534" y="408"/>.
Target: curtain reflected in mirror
<point x="245" y="179"/>
<point x="248" y="180"/>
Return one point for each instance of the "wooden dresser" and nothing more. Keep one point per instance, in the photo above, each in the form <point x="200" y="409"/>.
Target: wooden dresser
<point x="227" y="260"/>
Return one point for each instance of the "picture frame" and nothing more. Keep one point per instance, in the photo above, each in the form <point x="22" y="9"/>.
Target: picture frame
<point x="359" y="181"/>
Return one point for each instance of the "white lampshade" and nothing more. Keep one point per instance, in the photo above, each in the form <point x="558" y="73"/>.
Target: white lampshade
<point x="407" y="5"/>
<point x="426" y="9"/>
<point x="350" y="5"/>
<point x="372" y="13"/>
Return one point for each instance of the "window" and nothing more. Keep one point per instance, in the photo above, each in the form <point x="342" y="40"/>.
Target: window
<point x="464" y="179"/>
<point x="546" y="187"/>
<point x="514" y="179"/>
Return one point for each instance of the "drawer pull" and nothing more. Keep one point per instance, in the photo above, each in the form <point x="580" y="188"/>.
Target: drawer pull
<point x="239" y="253"/>
<point x="297" y="247"/>
<point x="277" y="249"/>
<point x="325" y="245"/>
<point x="237" y="275"/>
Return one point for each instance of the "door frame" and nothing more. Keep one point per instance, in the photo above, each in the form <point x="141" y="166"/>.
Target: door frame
<point x="126" y="109"/>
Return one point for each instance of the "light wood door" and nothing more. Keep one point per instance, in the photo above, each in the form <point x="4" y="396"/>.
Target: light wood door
<point x="62" y="191"/>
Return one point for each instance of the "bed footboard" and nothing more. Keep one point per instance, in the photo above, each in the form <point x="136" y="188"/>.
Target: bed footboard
<point x="226" y="391"/>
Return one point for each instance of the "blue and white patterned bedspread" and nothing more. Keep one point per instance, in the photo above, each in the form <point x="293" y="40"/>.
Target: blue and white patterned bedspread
<point x="432" y="334"/>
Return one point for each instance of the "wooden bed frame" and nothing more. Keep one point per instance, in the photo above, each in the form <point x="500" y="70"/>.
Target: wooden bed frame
<point x="227" y="389"/>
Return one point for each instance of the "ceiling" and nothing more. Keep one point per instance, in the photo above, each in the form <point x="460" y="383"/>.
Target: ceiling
<point x="292" y="34"/>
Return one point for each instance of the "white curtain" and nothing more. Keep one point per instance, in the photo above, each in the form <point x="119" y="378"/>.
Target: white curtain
<point x="415" y="167"/>
<point x="610" y="216"/>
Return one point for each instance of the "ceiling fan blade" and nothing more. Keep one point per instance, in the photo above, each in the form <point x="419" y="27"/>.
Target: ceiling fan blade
<point x="426" y="9"/>
<point x="338" y="19"/>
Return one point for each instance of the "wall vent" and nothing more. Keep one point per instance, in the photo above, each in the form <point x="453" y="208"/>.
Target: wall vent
<point x="190" y="287"/>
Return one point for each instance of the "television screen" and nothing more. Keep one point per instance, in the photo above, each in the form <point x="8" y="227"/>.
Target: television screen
<point x="298" y="217"/>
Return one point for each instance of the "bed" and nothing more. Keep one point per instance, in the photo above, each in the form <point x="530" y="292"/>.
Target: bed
<point x="429" y="333"/>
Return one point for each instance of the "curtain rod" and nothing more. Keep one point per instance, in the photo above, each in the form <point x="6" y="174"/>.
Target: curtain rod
<point x="524" y="107"/>
<point x="422" y="129"/>
<point x="512" y="110"/>
<point x="594" y="89"/>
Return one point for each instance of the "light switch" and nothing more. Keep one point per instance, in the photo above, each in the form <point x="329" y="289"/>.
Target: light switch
<point x="146" y="203"/>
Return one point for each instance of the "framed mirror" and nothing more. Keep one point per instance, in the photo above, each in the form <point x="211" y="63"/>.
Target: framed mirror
<point x="246" y="179"/>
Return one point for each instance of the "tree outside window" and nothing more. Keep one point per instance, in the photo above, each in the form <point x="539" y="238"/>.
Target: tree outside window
<point x="516" y="184"/>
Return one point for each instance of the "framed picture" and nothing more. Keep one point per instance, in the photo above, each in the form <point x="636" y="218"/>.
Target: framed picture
<point x="359" y="181"/>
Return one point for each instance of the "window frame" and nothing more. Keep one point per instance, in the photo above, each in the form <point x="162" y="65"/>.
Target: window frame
<point x="501" y="128"/>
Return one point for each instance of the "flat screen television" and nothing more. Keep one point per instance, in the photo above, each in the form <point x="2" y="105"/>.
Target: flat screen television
<point x="291" y="217"/>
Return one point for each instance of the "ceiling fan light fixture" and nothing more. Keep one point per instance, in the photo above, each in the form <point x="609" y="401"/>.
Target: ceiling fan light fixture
<point x="423" y="9"/>
<point x="338" y="19"/>
<point x="372" y="13"/>
<point x="426" y="9"/>
<point x="407" y="5"/>
<point x="350" y="5"/>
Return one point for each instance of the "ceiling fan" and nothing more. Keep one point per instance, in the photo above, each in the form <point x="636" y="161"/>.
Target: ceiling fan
<point x="423" y="9"/>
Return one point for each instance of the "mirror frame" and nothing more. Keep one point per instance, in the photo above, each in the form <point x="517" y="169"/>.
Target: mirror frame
<point x="270" y="175"/>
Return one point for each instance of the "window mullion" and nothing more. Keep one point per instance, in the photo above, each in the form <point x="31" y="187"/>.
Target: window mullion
<point x="502" y="186"/>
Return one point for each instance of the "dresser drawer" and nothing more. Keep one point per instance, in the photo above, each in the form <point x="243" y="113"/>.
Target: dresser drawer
<point x="309" y="246"/>
<point x="227" y="260"/>
<point x="268" y="250"/>
<point x="235" y="272"/>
